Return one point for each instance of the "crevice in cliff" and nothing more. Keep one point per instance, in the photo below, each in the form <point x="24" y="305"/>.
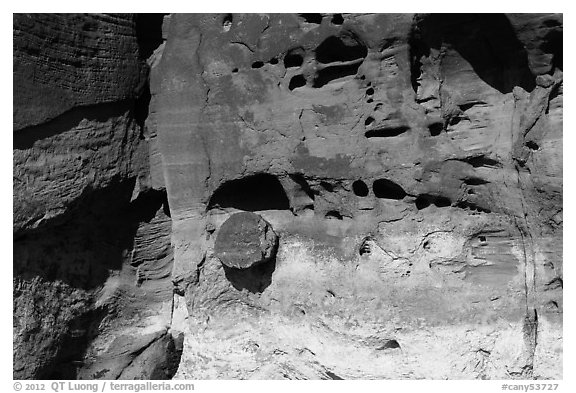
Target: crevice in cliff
<point x="148" y="33"/>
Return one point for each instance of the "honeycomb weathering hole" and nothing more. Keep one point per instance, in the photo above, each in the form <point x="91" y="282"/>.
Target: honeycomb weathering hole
<point x="386" y="132"/>
<point x="328" y="74"/>
<point x="294" y="58"/>
<point x="296" y="82"/>
<point x="312" y="18"/>
<point x="252" y="193"/>
<point x="387" y="189"/>
<point x="337" y="19"/>
<point x="340" y="49"/>
<point x="360" y="188"/>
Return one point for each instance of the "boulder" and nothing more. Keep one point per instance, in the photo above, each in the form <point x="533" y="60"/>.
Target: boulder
<point x="244" y="240"/>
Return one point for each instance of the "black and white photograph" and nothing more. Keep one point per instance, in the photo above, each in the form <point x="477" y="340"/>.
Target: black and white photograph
<point x="287" y="196"/>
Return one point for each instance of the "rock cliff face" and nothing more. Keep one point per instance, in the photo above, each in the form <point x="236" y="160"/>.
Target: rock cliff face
<point x="400" y="175"/>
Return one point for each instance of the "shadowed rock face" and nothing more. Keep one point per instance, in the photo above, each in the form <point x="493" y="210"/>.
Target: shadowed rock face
<point x="410" y="165"/>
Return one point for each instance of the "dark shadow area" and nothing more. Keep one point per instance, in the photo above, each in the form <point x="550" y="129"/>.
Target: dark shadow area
<point x="294" y="58"/>
<point x="337" y="19"/>
<point x="553" y="45"/>
<point x="389" y="344"/>
<point x="26" y="137"/>
<point x="386" y="132"/>
<point x="299" y="179"/>
<point x="312" y="18"/>
<point x="387" y="189"/>
<point x="481" y="161"/>
<point x="475" y="181"/>
<point x="72" y="346"/>
<point x="468" y="205"/>
<point x="81" y="248"/>
<point x="340" y="49"/>
<point x="255" y="279"/>
<point x="175" y="349"/>
<point x="360" y="188"/>
<point x="227" y="20"/>
<point x="425" y="200"/>
<point x="334" y="214"/>
<point x="141" y="107"/>
<point x="252" y="193"/>
<point x="436" y="128"/>
<point x="296" y="82"/>
<point x="532" y="145"/>
<point x="328" y="74"/>
<point x="327" y="186"/>
<point x="90" y="239"/>
<point x="149" y="33"/>
<point x="333" y="376"/>
<point x="486" y="41"/>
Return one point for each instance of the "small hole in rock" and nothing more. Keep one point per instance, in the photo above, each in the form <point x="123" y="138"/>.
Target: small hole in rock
<point x="274" y="60"/>
<point x="370" y="91"/>
<point x="362" y="77"/>
<point x="482" y="239"/>
<point x="297" y="81"/>
<point x="442" y="202"/>
<point x="345" y="48"/>
<point x="426" y="245"/>
<point x="422" y="202"/>
<point x="293" y="59"/>
<point x="386" y="132"/>
<point x="532" y="145"/>
<point x="369" y="120"/>
<point x="312" y="18"/>
<point x="360" y="188"/>
<point x="227" y="22"/>
<point x="334" y="214"/>
<point x="365" y="247"/>
<point x="327" y="186"/>
<point x="257" y="64"/>
<point x="384" y="188"/>
<point x="234" y="70"/>
<point x="475" y="181"/>
<point x="369" y="100"/>
<point x="389" y="344"/>
<point x="435" y="128"/>
<point x="337" y="19"/>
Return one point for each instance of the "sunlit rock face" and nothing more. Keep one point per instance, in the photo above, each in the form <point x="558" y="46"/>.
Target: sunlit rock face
<point x="408" y="166"/>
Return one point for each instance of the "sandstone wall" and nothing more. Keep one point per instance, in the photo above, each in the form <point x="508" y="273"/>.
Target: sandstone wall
<point x="411" y="166"/>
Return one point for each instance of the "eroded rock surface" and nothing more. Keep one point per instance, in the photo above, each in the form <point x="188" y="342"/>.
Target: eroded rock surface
<point x="411" y="166"/>
<point x="92" y="229"/>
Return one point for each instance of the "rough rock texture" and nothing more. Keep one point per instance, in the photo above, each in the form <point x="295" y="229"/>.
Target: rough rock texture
<point x="245" y="240"/>
<point x="411" y="166"/>
<point x="92" y="249"/>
